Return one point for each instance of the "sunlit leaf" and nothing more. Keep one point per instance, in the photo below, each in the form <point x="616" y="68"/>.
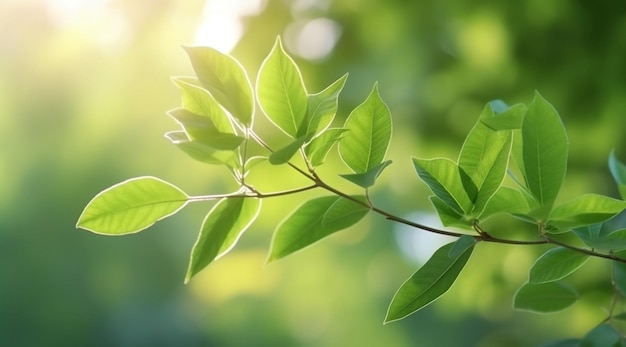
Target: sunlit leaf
<point x="556" y="264"/>
<point x="281" y="92"/>
<point x="603" y="335"/>
<point x="443" y="178"/>
<point x="584" y="210"/>
<point x="448" y="216"/>
<point x="368" y="178"/>
<point x="285" y="154"/>
<point x="545" y="150"/>
<point x="364" y="145"/>
<point x="202" y="129"/>
<point x="322" y="108"/>
<point x="225" y="78"/>
<point x="131" y="206"/>
<point x="314" y="220"/>
<point x="221" y="229"/>
<point x="504" y="117"/>
<point x="428" y="283"/>
<point x="317" y="150"/>
<point x="200" y="151"/>
<point x="544" y="297"/>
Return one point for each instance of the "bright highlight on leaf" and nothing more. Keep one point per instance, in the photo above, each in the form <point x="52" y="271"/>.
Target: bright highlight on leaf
<point x="131" y="206"/>
<point x="584" y="210"/>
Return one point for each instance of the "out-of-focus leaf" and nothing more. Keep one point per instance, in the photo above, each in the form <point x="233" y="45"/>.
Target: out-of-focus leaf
<point x="603" y="335"/>
<point x="563" y="343"/>
<point x="131" y="206"/>
<point x="545" y="148"/>
<point x="618" y="170"/>
<point x="221" y="229"/>
<point x="317" y="150"/>
<point x="364" y="145"/>
<point x="556" y="264"/>
<point x="443" y="178"/>
<point x="544" y="297"/>
<point x="429" y="282"/>
<point x="226" y="80"/>
<point x="448" y="216"/>
<point x="322" y="108"/>
<point x="285" y="154"/>
<point x="202" y="129"/>
<point x="201" y="151"/>
<point x="584" y="210"/>
<point x="368" y="178"/>
<point x="619" y="276"/>
<point x="313" y="221"/>
<point x="281" y="91"/>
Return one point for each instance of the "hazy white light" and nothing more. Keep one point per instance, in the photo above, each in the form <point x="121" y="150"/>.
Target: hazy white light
<point x="221" y="26"/>
<point x="314" y="39"/>
<point x="419" y="245"/>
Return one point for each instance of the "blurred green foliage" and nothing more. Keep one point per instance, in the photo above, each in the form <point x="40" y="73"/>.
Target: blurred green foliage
<point x="84" y="86"/>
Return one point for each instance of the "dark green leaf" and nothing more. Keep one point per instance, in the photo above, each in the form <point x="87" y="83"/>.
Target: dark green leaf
<point x="367" y="179"/>
<point x="619" y="276"/>
<point x="221" y="229"/>
<point x="584" y="210"/>
<point x="600" y="236"/>
<point x="317" y="150"/>
<point x="313" y="221"/>
<point x="563" y="343"/>
<point x="556" y="264"/>
<point x="225" y="78"/>
<point x="603" y="335"/>
<point x="448" y="216"/>
<point x="285" y="154"/>
<point x="461" y="245"/>
<point x="618" y="170"/>
<point x="545" y="150"/>
<point x="443" y="178"/>
<point x="200" y="151"/>
<point x="202" y="129"/>
<point x="364" y="145"/>
<point x="544" y="297"/>
<point x="281" y="92"/>
<point x="322" y="108"/>
<point x="131" y="206"/>
<point x="429" y="282"/>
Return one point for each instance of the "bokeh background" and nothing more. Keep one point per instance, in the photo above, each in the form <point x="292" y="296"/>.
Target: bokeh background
<point x="84" y="86"/>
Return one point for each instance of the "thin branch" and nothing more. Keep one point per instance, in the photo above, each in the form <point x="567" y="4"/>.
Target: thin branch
<point x="248" y="193"/>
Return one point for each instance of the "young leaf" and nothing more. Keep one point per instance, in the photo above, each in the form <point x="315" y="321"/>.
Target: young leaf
<point x="201" y="151"/>
<point x="319" y="147"/>
<point x="544" y="148"/>
<point x="544" y="297"/>
<point x="430" y="282"/>
<point x="221" y="229"/>
<point x="225" y="78"/>
<point x="202" y="129"/>
<point x="504" y="117"/>
<point x="281" y="92"/>
<point x="131" y="206"/>
<point x="443" y="177"/>
<point x="556" y="264"/>
<point x="285" y="154"/>
<point x="368" y="178"/>
<point x="584" y="210"/>
<point x="322" y="108"/>
<point x="506" y="200"/>
<point x="313" y="221"/>
<point x="448" y="216"/>
<point x="618" y="170"/>
<point x="364" y="146"/>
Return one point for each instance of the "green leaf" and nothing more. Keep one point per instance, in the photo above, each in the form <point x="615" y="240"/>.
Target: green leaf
<point x="285" y="154"/>
<point x="544" y="148"/>
<point x="201" y="151"/>
<point x="221" y="229"/>
<point x="317" y="150"/>
<point x="429" y="282"/>
<point x="322" y="108"/>
<point x="556" y="264"/>
<point x="619" y="276"/>
<point x="313" y="221"/>
<point x="504" y="117"/>
<point x="484" y="158"/>
<point x="443" y="177"/>
<point x="599" y="236"/>
<point x="461" y="245"/>
<point x="202" y="129"/>
<point x="131" y="206"/>
<point x="563" y="343"/>
<point x="199" y="101"/>
<point x="367" y="179"/>
<point x="603" y="335"/>
<point x="364" y="146"/>
<point x="544" y="297"/>
<point x="584" y="210"/>
<point x="226" y="80"/>
<point x="618" y="170"/>
<point x="281" y="92"/>
<point x="506" y="200"/>
<point x="448" y="216"/>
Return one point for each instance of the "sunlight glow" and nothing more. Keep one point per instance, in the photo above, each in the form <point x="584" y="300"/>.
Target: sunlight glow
<point x="419" y="245"/>
<point x="314" y="39"/>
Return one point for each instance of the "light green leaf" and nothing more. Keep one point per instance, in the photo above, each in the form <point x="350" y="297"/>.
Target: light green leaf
<point x="364" y="145"/>
<point x="281" y="92"/>
<point x="544" y="148"/>
<point x="317" y="150"/>
<point x="226" y="80"/>
<point x="504" y="117"/>
<point x="603" y="335"/>
<point x="556" y="264"/>
<point x="131" y="206"/>
<point x="221" y="229"/>
<point x="199" y="101"/>
<point x="202" y="129"/>
<point x="584" y="210"/>
<point x="443" y="177"/>
<point x="618" y="170"/>
<point x="544" y="297"/>
<point x="428" y="283"/>
<point x="322" y="108"/>
<point x="484" y="158"/>
<point x="200" y="151"/>
<point x="285" y="154"/>
<point x="313" y="221"/>
<point x="448" y="216"/>
<point x="506" y="200"/>
<point x="368" y="178"/>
